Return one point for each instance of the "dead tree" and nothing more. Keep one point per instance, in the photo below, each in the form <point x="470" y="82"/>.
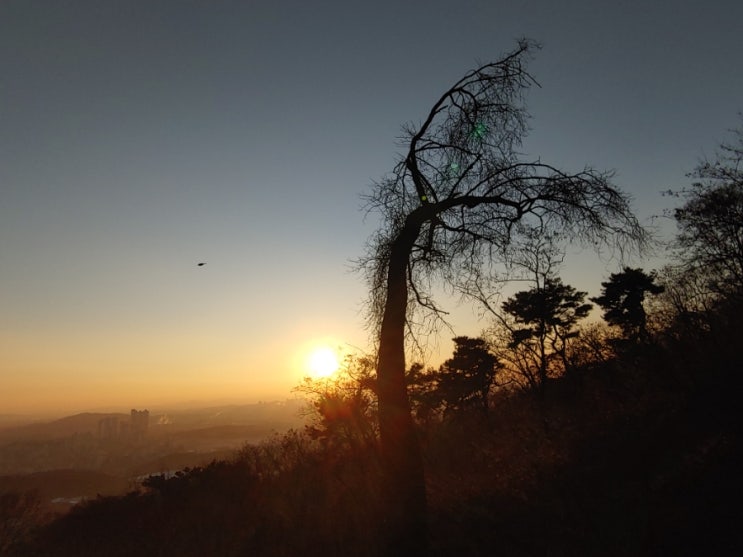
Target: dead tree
<point x="454" y="206"/>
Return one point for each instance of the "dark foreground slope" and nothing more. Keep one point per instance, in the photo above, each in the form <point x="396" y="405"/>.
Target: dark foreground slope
<point x="641" y="456"/>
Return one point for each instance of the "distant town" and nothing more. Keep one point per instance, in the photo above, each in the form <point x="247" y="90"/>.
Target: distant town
<point x="90" y="454"/>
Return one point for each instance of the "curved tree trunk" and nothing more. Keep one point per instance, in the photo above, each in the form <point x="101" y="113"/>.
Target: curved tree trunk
<point x="462" y="162"/>
<point x="404" y="477"/>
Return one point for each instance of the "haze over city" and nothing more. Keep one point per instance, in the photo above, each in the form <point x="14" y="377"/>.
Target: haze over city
<point x="139" y="140"/>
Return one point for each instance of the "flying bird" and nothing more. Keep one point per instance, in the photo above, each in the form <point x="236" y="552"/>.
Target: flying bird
<point x="201" y="264"/>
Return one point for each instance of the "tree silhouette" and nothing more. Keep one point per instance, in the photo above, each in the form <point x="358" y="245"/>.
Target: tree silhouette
<point x="343" y="409"/>
<point x="622" y="298"/>
<point x="421" y="387"/>
<point x="20" y="514"/>
<point x="465" y="379"/>
<point x="710" y="222"/>
<point x="451" y="209"/>
<point x="544" y="321"/>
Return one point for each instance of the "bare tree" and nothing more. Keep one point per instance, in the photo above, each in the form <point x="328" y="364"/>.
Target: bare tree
<point x="710" y="222"/>
<point x="452" y="209"/>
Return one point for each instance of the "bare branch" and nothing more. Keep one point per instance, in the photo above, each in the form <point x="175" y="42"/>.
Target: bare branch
<point x="460" y="203"/>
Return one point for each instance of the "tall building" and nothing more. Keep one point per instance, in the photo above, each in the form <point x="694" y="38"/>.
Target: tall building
<point x="140" y="422"/>
<point x="108" y="428"/>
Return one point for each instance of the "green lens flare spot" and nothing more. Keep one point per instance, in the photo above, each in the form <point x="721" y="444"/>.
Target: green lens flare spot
<point x="480" y="130"/>
<point x="424" y="198"/>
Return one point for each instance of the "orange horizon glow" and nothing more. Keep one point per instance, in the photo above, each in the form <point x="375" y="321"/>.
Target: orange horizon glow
<point x="62" y="375"/>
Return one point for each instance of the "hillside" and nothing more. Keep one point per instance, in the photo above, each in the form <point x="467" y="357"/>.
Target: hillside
<point x="60" y="489"/>
<point x="55" y="429"/>
<point x="82" y="456"/>
<point x="619" y="463"/>
<point x="278" y="415"/>
<point x="634" y="454"/>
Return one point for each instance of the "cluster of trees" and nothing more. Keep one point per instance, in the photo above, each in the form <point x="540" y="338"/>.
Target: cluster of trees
<point x="540" y="334"/>
<point x="536" y="337"/>
<point x="463" y="204"/>
<point x="457" y="206"/>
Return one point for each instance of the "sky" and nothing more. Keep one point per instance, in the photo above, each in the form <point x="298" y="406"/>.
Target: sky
<point x="141" y="138"/>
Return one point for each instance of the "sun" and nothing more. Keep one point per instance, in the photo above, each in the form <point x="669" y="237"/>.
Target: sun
<point x="322" y="362"/>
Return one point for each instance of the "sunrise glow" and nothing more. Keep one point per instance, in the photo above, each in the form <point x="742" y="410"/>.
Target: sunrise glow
<point x="322" y="362"/>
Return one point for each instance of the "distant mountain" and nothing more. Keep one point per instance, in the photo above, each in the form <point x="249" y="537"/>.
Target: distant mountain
<point x="14" y="420"/>
<point x="108" y="442"/>
<point x="64" y="427"/>
<point x="279" y="416"/>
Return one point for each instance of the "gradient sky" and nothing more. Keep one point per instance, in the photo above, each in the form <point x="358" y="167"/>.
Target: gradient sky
<point x="139" y="138"/>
